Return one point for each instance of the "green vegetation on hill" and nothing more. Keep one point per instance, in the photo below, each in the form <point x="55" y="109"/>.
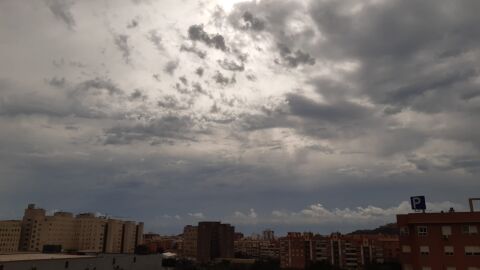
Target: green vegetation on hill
<point x="388" y="229"/>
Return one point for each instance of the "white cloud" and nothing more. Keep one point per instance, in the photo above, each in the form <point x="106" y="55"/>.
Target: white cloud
<point x="317" y="214"/>
<point x="197" y="215"/>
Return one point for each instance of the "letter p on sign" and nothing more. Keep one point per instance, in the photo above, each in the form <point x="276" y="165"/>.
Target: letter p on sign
<point x="418" y="203"/>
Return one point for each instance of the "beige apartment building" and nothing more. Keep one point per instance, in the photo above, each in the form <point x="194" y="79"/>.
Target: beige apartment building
<point x="84" y="232"/>
<point x="90" y="232"/>
<point x="9" y="235"/>
<point x="129" y="237"/>
<point x="190" y="241"/>
<point x="113" y="244"/>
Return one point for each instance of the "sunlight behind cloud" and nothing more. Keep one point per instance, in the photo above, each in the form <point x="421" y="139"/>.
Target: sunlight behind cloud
<point x="228" y="5"/>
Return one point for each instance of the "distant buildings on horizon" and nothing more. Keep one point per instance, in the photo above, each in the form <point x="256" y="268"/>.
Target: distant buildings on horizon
<point x="419" y="241"/>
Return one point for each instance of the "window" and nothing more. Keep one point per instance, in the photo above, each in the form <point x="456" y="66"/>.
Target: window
<point x="404" y="231"/>
<point x="472" y="250"/>
<point x="448" y="250"/>
<point x="424" y="250"/>
<point x="422" y="230"/>
<point x="446" y="230"/>
<point x="469" y="229"/>
<point x="406" y="249"/>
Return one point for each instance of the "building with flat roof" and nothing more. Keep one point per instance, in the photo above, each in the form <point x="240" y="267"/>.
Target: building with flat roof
<point x="189" y="248"/>
<point x="214" y="240"/>
<point x="299" y="250"/>
<point x="83" y="232"/>
<point x="431" y="241"/>
<point x="268" y="235"/>
<point x="9" y="235"/>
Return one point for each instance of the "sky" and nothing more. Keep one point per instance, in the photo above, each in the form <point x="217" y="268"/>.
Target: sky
<point x="318" y="115"/>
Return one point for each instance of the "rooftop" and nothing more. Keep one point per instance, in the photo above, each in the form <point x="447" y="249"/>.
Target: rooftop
<point x="38" y="256"/>
<point x="446" y="217"/>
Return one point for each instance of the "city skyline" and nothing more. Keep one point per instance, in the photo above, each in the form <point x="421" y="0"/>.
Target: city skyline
<point x="292" y="115"/>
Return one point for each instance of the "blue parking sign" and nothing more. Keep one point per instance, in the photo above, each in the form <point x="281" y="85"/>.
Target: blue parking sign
<point x="418" y="203"/>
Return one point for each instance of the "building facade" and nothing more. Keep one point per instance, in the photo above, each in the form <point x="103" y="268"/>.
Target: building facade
<point x="189" y="248"/>
<point x="84" y="232"/>
<point x="214" y="240"/>
<point x="449" y="241"/>
<point x="256" y="249"/>
<point x="298" y="250"/>
<point x="268" y="235"/>
<point x="9" y="235"/>
<point x="90" y="232"/>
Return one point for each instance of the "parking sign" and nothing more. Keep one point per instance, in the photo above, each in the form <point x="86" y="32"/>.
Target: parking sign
<point x="418" y="203"/>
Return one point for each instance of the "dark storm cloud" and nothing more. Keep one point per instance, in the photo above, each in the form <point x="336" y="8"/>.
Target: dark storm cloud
<point x="339" y="112"/>
<point x="223" y="80"/>
<point x="198" y="89"/>
<point x="470" y="164"/>
<point x="132" y="24"/>
<point x="170" y="102"/>
<point x="57" y="82"/>
<point x="294" y="59"/>
<point x="251" y="77"/>
<point x="137" y="95"/>
<point x="404" y="28"/>
<point x="437" y="82"/>
<point x="231" y="65"/>
<point x="410" y="54"/>
<point x="175" y="128"/>
<point x="194" y="50"/>
<point x="121" y="41"/>
<point x="274" y="18"/>
<point x="196" y="33"/>
<point x="72" y="100"/>
<point x="184" y="80"/>
<point x="30" y="104"/>
<point x="171" y="66"/>
<point x="253" y="22"/>
<point x="61" y="10"/>
<point x="156" y="39"/>
<point x="199" y="71"/>
<point x="98" y="84"/>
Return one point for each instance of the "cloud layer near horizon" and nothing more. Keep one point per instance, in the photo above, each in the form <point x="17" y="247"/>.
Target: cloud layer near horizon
<point x="199" y="108"/>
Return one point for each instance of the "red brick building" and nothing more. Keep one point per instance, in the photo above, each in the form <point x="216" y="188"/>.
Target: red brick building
<point x="440" y="241"/>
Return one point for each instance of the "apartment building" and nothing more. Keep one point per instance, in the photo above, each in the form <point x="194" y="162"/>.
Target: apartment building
<point x="113" y="242"/>
<point x="256" y="249"/>
<point x="294" y="251"/>
<point x="268" y="235"/>
<point x="129" y="237"/>
<point x="247" y="248"/>
<point x="214" y="240"/>
<point x="189" y="248"/>
<point x="9" y="236"/>
<point x="84" y="232"/>
<point x="270" y="249"/>
<point x="431" y="241"/>
<point x="298" y="250"/>
<point x="90" y="232"/>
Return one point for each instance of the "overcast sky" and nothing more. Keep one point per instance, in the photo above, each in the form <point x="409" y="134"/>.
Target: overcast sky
<point x="314" y="115"/>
